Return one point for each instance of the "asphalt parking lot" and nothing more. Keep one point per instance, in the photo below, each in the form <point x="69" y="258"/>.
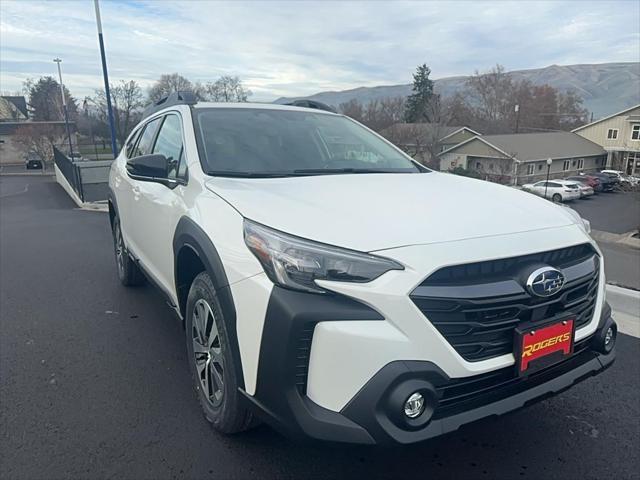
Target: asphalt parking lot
<point x="601" y="211"/>
<point x="94" y="383"/>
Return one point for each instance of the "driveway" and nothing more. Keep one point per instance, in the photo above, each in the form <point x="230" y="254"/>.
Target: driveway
<point x="94" y="383"/>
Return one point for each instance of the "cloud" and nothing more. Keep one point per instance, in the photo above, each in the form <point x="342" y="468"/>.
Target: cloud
<point x="299" y="48"/>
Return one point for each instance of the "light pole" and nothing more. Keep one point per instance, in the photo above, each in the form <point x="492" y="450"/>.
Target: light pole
<point x="105" y="74"/>
<point x="64" y="107"/>
<point x="549" y="162"/>
<point x="517" y="109"/>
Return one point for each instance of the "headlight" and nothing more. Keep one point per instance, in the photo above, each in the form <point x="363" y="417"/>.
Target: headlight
<point x="577" y="219"/>
<point x="297" y="263"/>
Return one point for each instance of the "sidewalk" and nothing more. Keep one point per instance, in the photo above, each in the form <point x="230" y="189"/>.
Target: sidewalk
<point x="625" y="304"/>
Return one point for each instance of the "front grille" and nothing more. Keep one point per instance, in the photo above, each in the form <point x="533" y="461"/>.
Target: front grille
<point x="476" y="307"/>
<point x="464" y="393"/>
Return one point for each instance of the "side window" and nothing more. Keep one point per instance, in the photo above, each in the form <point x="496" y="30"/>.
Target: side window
<point x="169" y="144"/>
<point x="146" y="139"/>
<point x="132" y="143"/>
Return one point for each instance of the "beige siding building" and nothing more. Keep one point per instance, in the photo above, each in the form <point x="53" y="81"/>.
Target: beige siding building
<point x="424" y="140"/>
<point x="619" y="135"/>
<point x="522" y="157"/>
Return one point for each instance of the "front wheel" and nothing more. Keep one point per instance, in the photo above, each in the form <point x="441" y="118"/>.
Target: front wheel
<point x="557" y="198"/>
<point x="212" y="367"/>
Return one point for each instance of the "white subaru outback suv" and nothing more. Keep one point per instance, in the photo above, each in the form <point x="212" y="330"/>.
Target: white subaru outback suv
<point x="336" y="289"/>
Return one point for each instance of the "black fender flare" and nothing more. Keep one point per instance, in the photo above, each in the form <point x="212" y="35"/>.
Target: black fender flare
<point x="111" y="199"/>
<point x="189" y="234"/>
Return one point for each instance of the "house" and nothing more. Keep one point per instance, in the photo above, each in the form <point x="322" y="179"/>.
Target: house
<point x="425" y="140"/>
<point x="522" y="157"/>
<point x="19" y="135"/>
<point x="13" y="109"/>
<point x="619" y="135"/>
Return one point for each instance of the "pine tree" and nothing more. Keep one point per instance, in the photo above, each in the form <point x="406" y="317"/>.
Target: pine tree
<point x="418" y="103"/>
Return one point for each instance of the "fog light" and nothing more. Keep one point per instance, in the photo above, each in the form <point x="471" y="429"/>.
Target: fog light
<point x="609" y="339"/>
<point x="414" y="405"/>
<point x="608" y="336"/>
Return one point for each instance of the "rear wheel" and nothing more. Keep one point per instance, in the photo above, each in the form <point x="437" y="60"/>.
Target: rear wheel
<point x="557" y="198"/>
<point x="212" y="367"/>
<point x="128" y="272"/>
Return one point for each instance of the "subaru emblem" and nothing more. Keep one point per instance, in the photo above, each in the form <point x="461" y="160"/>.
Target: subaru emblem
<point x="545" y="282"/>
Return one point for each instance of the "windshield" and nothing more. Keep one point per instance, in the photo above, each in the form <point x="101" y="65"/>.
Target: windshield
<point x="260" y="142"/>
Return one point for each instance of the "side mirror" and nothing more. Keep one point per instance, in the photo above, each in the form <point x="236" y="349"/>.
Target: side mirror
<point x="153" y="167"/>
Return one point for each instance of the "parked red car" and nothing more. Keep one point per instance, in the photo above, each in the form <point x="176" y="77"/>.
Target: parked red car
<point x="593" y="182"/>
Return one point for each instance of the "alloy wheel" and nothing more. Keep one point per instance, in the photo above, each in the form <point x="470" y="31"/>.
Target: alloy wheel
<point x="119" y="250"/>
<point x="207" y="352"/>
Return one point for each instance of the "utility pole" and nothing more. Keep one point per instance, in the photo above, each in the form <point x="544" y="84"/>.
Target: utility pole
<point x="64" y="107"/>
<point x="105" y="74"/>
<point x="549" y="162"/>
<point x="517" y="109"/>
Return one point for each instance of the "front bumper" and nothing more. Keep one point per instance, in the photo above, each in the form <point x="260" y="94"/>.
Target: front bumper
<point x="372" y="416"/>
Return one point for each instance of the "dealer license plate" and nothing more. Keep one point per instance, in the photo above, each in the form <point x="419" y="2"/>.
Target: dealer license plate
<point x="539" y="346"/>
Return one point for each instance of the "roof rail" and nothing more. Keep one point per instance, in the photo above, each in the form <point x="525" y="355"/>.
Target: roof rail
<point x="175" y="98"/>
<point x="312" y="104"/>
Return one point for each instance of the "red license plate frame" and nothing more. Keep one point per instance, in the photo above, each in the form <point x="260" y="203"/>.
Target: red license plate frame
<point x="542" y="344"/>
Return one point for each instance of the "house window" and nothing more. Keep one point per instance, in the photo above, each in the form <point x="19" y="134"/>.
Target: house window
<point x="612" y="134"/>
<point x="530" y="169"/>
<point x="573" y="164"/>
<point x="539" y="166"/>
<point x="566" y="165"/>
<point x="635" y="132"/>
<point x="478" y="166"/>
<point x="580" y="163"/>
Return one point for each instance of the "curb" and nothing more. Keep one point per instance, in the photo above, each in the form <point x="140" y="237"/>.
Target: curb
<point x="26" y="174"/>
<point x="626" y="239"/>
<point x="624" y="300"/>
<point x="94" y="207"/>
<point x="625" y="304"/>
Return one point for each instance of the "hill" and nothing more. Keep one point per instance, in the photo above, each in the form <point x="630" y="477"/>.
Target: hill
<point x="606" y="88"/>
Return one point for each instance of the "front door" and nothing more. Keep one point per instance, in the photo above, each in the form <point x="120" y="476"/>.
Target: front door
<point x="159" y="207"/>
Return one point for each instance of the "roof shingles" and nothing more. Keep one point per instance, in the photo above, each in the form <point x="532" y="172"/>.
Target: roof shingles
<point x="540" y="146"/>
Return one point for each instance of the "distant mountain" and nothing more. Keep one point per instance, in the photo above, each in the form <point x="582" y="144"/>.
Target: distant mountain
<point x="606" y="88"/>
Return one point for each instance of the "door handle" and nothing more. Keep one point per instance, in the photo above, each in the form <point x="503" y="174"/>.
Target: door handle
<point x="136" y="189"/>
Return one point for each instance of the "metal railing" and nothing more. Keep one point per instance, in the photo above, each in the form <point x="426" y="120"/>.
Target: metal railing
<point x="70" y="171"/>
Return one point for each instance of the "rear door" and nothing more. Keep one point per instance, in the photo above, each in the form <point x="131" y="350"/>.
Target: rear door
<point x="159" y="207"/>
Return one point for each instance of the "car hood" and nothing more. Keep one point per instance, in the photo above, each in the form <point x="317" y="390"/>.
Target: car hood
<point x="369" y="212"/>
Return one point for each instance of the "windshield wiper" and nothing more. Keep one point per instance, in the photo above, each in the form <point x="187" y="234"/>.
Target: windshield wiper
<point x="328" y="171"/>
<point x="232" y="174"/>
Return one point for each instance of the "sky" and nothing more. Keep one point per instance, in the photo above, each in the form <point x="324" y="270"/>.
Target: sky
<point x="303" y="47"/>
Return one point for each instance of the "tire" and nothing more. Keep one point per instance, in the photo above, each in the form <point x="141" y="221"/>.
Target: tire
<point x="557" y="198"/>
<point x="213" y="371"/>
<point x="129" y="273"/>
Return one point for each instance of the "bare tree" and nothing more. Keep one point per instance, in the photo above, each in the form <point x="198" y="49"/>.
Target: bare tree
<point x="377" y="114"/>
<point x="169" y="83"/>
<point x="353" y="109"/>
<point x="227" y="89"/>
<point x="490" y="99"/>
<point x="127" y="101"/>
<point x="39" y="138"/>
<point x="423" y="141"/>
